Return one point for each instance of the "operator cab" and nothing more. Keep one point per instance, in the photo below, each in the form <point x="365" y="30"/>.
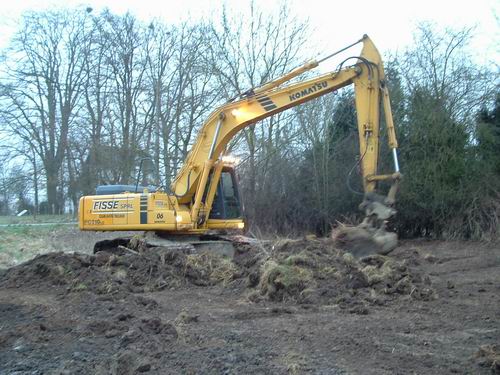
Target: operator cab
<point x="227" y="202"/>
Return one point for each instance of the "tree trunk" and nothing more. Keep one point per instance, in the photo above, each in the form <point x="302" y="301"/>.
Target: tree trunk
<point x="52" y="182"/>
<point x="35" y="184"/>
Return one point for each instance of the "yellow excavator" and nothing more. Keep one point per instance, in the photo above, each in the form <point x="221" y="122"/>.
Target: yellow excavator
<point x="204" y="196"/>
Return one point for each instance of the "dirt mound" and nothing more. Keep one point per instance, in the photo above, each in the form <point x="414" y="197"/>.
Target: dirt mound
<point x="316" y="272"/>
<point x="121" y="270"/>
<point x="307" y="271"/>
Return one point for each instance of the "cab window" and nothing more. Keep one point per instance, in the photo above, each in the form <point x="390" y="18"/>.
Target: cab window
<point x="226" y="203"/>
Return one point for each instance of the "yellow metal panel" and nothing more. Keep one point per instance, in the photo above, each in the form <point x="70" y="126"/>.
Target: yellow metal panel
<point x="130" y="212"/>
<point x="225" y="224"/>
<point x="367" y="107"/>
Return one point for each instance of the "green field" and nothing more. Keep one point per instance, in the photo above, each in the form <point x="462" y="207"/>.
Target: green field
<point x="30" y="219"/>
<point x="22" y="238"/>
<point x="20" y="242"/>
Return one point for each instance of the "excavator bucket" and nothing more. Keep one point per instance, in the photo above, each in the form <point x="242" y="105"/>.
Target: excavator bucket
<point x="361" y="242"/>
<point x="370" y="237"/>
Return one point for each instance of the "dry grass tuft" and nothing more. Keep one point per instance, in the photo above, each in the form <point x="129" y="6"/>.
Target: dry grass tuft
<point x="489" y="356"/>
<point x="283" y="281"/>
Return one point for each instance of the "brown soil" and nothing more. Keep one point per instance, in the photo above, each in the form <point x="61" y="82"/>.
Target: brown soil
<point x="295" y="306"/>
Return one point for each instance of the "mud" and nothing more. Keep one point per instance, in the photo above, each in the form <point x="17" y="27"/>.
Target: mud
<point x="303" y="271"/>
<point x="295" y="306"/>
<point x="316" y="272"/>
<point x="120" y="271"/>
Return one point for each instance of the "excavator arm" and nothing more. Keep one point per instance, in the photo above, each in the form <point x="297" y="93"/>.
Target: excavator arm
<point x="368" y="77"/>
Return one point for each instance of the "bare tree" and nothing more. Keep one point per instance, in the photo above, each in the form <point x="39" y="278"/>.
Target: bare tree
<point x="97" y="91"/>
<point x="442" y="65"/>
<point x="126" y="58"/>
<point x="43" y="85"/>
<point x="160" y="50"/>
<point x="246" y="52"/>
<point x="181" y="91"/>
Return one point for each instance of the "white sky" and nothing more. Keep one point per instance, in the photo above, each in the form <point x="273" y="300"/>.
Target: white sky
<point x="335" y="23"/>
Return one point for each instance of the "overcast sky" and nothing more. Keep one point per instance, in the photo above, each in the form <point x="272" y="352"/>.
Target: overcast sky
<point x="389" y="23"/>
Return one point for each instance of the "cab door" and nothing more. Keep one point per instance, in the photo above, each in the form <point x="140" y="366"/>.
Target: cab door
<point x="227" y="203"/>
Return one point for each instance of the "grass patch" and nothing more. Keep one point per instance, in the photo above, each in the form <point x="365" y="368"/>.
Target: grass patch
<point x="80" y="287"/>
<point x="21" y="243"/>
<point x="284" y="281"/>
<point x="30" y="219"/>
<point x="301" y="259"/>
<point x="218" y="269"/>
